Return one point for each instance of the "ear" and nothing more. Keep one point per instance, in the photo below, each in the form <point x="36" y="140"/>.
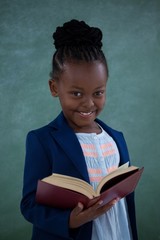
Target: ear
<point x="53" y="87"/>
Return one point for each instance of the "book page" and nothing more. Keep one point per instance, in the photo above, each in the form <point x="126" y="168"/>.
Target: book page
<point x="119" y="171"/>
<point x="68" y="182"/>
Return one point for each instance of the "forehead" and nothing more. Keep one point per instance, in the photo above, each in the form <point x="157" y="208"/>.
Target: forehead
<point x="84" y="72"/>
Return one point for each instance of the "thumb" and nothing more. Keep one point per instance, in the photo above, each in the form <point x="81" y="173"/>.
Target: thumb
<point x="78" y="208"/>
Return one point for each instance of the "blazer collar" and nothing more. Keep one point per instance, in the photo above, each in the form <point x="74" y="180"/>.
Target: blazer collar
<point x="66" y="138"/>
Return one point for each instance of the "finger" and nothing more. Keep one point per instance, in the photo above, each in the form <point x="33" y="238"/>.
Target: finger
<point x="101" y="208"/>
<point x="111" y="203"/>
<point x="78" y="209"/>
<point x="106" y="207"/>
<point x="114" y="201"/>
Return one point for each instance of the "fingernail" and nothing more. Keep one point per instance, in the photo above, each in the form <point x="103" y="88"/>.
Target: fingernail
<point x="100" y="202"/>
<point x="116" y="200"/>
<point x="80" y="205"/>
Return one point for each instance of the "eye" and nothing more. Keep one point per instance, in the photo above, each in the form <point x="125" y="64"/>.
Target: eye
<point x="99" y="93"/>
<point x="76" y="94"/>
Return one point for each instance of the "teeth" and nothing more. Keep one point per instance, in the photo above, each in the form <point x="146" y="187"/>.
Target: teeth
<point x="85" y="114"/>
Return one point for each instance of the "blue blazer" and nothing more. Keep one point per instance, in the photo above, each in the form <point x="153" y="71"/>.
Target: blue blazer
<point x="55" y="148"/>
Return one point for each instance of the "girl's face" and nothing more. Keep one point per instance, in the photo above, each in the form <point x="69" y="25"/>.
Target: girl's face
<point x="81" y="89"/>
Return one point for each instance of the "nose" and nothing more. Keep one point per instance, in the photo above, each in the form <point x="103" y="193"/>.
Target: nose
<point x="88" y="102"/>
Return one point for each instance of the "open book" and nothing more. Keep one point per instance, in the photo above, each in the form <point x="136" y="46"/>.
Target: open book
<point x="64" y="191"/>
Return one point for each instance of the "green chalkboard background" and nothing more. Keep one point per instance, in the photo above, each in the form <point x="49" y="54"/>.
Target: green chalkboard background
<point x="132" y="45"/>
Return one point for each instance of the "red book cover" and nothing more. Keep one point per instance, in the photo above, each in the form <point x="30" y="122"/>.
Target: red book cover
<point x="59" y="197"/>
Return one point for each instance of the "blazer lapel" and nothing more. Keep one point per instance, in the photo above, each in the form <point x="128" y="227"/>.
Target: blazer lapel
<point x="66" y="138"/>
<point x="120" y="141"/>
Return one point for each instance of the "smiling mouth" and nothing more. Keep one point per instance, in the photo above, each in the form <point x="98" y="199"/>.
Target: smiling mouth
<point x="86" y="113"/>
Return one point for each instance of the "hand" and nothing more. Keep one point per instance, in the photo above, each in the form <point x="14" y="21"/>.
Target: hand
<point x="79" y="216"/>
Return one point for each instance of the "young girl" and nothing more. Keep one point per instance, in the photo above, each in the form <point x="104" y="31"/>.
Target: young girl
<point x="78" y="144"/>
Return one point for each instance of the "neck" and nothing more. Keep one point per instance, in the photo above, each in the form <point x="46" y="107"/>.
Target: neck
<point x="89" y="129"/>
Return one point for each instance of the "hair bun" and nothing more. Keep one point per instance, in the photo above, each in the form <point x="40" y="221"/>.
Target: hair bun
<point x="77" y="33"/>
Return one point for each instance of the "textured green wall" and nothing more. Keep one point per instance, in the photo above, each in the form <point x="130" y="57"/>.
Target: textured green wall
<point x="132" y="45"/>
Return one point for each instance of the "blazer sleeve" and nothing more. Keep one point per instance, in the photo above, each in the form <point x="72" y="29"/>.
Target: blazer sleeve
<point x="37" y="166"/>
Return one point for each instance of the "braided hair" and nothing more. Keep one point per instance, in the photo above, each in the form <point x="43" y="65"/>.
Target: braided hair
<point x="76" y="41"/>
